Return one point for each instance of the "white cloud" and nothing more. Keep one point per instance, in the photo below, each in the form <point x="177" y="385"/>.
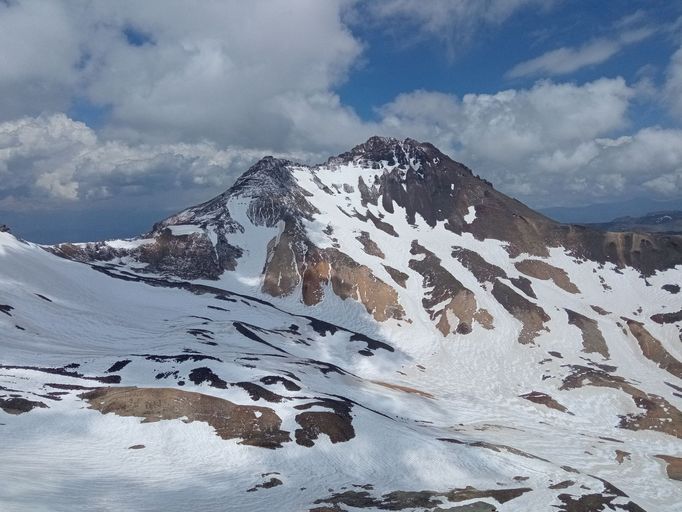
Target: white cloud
<point x="39" y="54"/>
<point x="53" y="159"/>
<point x="566" y="60"/>
<point x="514" y="124"/>
<point x="230" y="71"/>
<point x="551" y="144"/>
<point x="197" y="94"/>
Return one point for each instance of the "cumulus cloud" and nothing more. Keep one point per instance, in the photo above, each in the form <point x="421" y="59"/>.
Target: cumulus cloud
<point x="39" y="57"/>
<point x="49" y="160"/>
<point x="566" y="60"/>
<point x="550" y="144"/>
<point x="513" y="124"/>
<point x="166" y="71"/>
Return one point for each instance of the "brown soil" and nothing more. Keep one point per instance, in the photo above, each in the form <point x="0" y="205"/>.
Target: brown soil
<point x="653" y="349"/>
<point x="544" y="399"/>
<point x="280" y="275"/>
<point x="621" y="456"/>
<point x="349" y="279"/>
<point x="352" y="280"/>
<point x="657" y="413"/>
<point x="667" y="318"/>
<point x="483" y="317"/>
<point x="369" y="245"/>
<point x="16" y="406"/>
<point x="255" y="426"/>
<point x="399" y="277"/>
<point x="542" y="270"/>
<point x="593" y="339"/>
<point x="532" y="316"/>
<point x="444" y="287"/>
<point x="674" y="466"/>
<point x="406" y="389"/>
<point x="599" y="310"/>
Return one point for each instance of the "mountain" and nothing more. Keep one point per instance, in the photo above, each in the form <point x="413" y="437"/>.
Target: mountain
<point x="604" y="212"/>
<point x="654" y="222"/>
<point x="384" y="331"/>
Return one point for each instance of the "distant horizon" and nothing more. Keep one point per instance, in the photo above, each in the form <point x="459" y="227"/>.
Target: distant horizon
<point x="108" y="224"/>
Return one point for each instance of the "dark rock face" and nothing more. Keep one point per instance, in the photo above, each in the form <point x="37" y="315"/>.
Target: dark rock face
<point x="336" y="423"/>
<point x="667" y="318"/>
<point x="275" y="194"/>
<point x="593" y="339"/>
<point x="531" y="316"/>
<point x="477" y="265"/>
<point x="423" y="182"/>
<point x="4" y="228"/>
<point x="461" y="301"/>
<point x="254" y="426"/>
<point x="19" y="405"/>
<point x="424" y="500"/>
<point x="436" y="187"/>
<point x="187" y="256"/>
<point x="671" y="288"/>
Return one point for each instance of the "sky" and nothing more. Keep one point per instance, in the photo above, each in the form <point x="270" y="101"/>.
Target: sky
<point x="116" y="114"/>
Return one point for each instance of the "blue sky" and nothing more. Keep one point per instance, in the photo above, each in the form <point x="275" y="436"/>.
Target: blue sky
<point x="392" y="65"/>
<point x="139" y="109"/>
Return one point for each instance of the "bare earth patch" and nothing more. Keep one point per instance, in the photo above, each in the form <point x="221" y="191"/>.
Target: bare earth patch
<point x="399" y="277"/>
<point x="544" y="399"/>
<point x="532" y="316"/>
<point x="460" y="307"/>
<point x="406" y="389"/>
<point x="256" y="426"/>
<point x="667" y="318"/>
<point x="653" y="349"/>
<point x="657" y="413"/>
<point x="542" y="270"/>
<point x="349" y="279"/>
<point x="428" y="500"/>
<point x="16" y="406"/>
<point x="621" y="456"/>
<point x="593" y="339"/>
<point x="369" y="245"/>
<point x="336" y="423"/>
<point x="674" y="466"/>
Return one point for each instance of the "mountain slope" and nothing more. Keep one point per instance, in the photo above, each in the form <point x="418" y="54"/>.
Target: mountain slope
<point x="402" y="335"/>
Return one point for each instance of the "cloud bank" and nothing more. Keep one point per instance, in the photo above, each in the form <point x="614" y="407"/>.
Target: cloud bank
<point x="190" y="97"/>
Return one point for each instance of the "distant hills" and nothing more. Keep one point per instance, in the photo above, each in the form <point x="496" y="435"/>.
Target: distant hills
<point x="655" y="222"/>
